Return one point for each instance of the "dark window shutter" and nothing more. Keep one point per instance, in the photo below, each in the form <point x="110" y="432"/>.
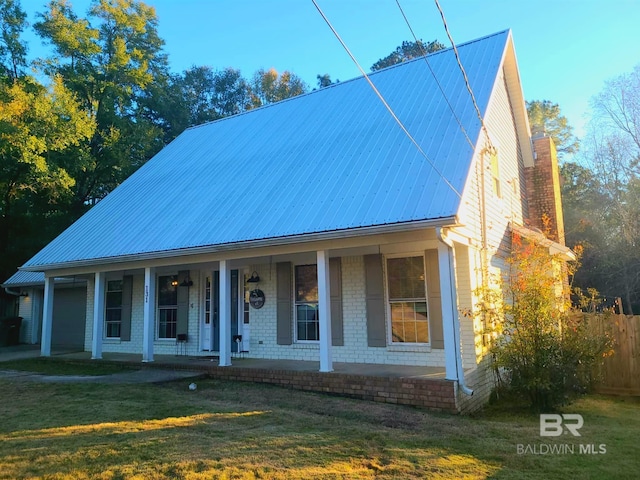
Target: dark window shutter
<point x="125" y="325"/>
<point x="182" y="319"/>
<point x="284" y="304"/>
<point x="374" y="290"/>
<point x="434" y="299"/>
<point x="335" y="286"/>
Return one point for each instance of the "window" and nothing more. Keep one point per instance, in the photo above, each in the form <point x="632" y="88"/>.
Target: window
<point x="113" y="314"/>
<point x="495" y="175"/>
<point x="167" y="306"/>
<point x="306" y="295"/>
<point x="407" y="300"/>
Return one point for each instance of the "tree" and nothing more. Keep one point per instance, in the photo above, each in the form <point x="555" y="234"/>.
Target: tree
<point x="325" y="80"/>
<point x="546" y="116"/>
<point x="268" y="86"/>
<point x="407" y="51"/>
<point x="110" y="67"/>
<point x="12" y="50"/>
<point x="209" y="95"/>
<point x="611" y="206"/>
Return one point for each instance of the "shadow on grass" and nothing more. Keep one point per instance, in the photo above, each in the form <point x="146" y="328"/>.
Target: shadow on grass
<point x="232" y="430"/>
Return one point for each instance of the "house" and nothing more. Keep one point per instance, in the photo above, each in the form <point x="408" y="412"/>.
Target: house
<point x="316" y="228"/>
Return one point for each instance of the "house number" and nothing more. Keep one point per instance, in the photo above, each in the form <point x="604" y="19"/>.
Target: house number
<point x="256" y="298"/>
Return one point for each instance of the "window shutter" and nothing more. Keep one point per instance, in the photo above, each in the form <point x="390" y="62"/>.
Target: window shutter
<point x="125" y="325"/>
<point x="284" y="304"/>
<point x="434" y="300"/>
<point x="374" y="290"/>
<point x="182" y="318"/>
<point x="335" y="286"/>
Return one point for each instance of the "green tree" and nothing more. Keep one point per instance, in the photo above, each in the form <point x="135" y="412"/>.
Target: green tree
<point x="110" y="60"/>
<point x="268" y="86"/>
<point x="325" y="80"/>
<point x="407" y="51"/>
<point x="13" y="51"/>
<point x="547" y="117"/>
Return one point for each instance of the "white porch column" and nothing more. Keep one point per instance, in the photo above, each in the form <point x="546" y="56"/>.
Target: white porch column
<point x="225" y="314"/>
<point x="98" y="316"/>
<point x="448" y="323"/>
<point x="324" y="311"/>
<point x="47" y="317"/>
<point x="149" y="313"/>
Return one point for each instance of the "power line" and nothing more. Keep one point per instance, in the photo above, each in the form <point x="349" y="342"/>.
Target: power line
<point x="384" y="102"/>
<point x="444" y="95"/>
<point x="464" y="75"/>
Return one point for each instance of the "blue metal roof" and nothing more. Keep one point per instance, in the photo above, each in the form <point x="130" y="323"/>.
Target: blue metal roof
<point x="331" y="160"/>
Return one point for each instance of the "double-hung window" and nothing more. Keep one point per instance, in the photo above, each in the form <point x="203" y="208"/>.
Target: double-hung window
<point x="306" y="295"/>
<point x="167" y="306"/>
<point x="407" y="294"/>
<point x="113" y="314"/>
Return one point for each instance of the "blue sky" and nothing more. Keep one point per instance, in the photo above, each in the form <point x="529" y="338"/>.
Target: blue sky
<point x="566" y="49"/>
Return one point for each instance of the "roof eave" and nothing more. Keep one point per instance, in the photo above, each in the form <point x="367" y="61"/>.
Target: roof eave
<point x="251" y="244"/>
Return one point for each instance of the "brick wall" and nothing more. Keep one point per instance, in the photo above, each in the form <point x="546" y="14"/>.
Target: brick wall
<point x="543" y="188"/>
<point x="435" y="395"/>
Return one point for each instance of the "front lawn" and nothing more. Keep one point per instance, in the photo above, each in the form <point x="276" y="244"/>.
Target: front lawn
<point x="247" y="431"/>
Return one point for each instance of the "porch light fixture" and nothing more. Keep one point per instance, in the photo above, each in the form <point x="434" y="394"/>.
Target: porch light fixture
<point x="24" y="294"/>
<point x="174" y="283"/>
<point x="255" y="278"/>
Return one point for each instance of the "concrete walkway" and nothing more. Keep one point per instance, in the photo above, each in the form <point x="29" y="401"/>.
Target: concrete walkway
<point x="144" y="375"/>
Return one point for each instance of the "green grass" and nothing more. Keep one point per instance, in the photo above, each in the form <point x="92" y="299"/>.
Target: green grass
<point x="52" y="366"/>
<point x="248" y="431"/>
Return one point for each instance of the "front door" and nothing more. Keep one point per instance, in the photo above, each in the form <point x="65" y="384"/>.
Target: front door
<point x="210" y="327"/>
<point x="211" y="319"/>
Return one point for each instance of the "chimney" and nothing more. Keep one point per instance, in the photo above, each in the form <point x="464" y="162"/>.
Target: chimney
<point x="543" y="188"/>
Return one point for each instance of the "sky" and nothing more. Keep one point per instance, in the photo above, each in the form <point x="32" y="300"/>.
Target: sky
<point x="566" y="49"/>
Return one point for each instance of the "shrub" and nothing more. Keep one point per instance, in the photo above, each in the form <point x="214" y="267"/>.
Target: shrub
<point x="543" y="351"/>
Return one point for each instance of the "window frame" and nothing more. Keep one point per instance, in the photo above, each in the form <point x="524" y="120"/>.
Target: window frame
<point x="297" y="303"/>
<point x="107" y="308"/>
<point x="388" y="301"/>
<point x="160" y="308"/>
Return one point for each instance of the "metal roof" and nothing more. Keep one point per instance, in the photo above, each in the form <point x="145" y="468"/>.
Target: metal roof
<point x="330" y="160"/>
<point x="35" y="279"/>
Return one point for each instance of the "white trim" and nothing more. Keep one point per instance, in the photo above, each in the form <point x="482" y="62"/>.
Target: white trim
<point x="387" y="300"/>
<point x="324" y="310"/>
<point x="47" y="316"/>
<point x="99" y="306"/>
<point x="157" y="336"/>
<point x="246" y="249"/>
<point x="225" y="314"/>
<point x="295" y="305"/>
<point x="149" y="302"/>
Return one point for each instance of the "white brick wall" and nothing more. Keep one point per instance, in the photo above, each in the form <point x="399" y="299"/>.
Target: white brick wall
<point x="263" y="340"/>
<point x="355" y="348"/>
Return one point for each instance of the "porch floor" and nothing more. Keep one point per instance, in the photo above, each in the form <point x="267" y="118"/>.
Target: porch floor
<point x="207" y="362"/>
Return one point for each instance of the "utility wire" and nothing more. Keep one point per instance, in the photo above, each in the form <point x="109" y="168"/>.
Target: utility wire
<point x="444" y="95"/>
<point x="464" y="75"/>
<point x="384" y="102"/>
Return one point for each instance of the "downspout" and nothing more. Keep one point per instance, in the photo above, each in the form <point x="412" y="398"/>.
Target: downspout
<point x="442" y="236"/>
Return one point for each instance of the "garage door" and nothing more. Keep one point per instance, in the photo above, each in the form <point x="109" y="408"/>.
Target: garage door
<point x="69" y="315"/>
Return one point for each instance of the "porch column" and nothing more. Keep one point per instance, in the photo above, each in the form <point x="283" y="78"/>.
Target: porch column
<point x="47" y="317"/>
<point x="448" y="324"/>
<point x="98" y="316"/>
<point x="225" y="314"/>
<point x="149" y="313"/>
<point x="324" y="311"/>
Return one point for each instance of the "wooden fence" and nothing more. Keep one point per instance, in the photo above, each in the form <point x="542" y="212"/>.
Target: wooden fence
<point x="621" y="371"/>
